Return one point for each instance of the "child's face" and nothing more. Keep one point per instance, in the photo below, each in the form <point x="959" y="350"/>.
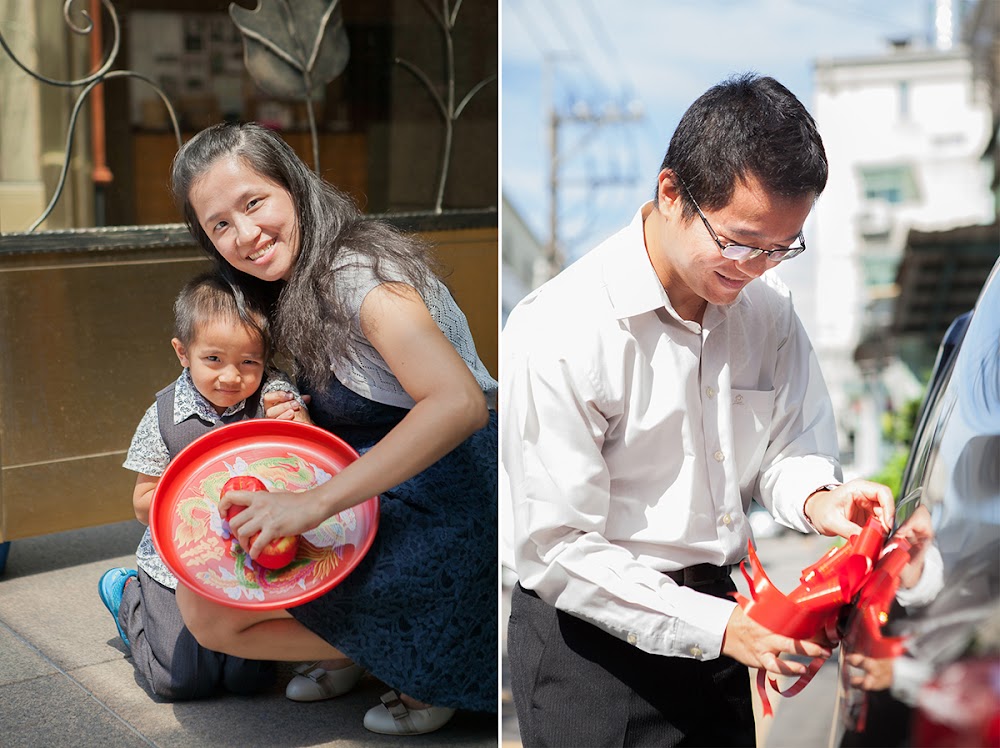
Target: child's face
<point x="250" y="219"/>
<point x="226" y="361"/>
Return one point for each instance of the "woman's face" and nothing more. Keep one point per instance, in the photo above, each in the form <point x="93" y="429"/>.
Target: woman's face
<point x="250" y="219"/>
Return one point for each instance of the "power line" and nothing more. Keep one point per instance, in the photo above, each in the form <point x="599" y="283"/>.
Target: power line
<point x="529" y="28"/>
<point x="585" y="118"/>
<point x="530" y="22"/>
<point x="604" y="40"/>
<point x="842" y="8"/>
<point x="569" y="35"/>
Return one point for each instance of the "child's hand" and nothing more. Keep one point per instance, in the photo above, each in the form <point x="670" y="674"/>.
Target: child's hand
<point x="283" y="406"/>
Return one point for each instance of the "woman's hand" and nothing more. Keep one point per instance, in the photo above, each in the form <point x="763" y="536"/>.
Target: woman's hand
<point x="282" y="406"/>
<point x="748" y="642"/>
<point x="845" y="509"/>
<point x="272" y="514"/>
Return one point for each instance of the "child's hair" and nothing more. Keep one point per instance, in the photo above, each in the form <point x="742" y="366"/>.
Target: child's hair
<point x="208" y="297"/>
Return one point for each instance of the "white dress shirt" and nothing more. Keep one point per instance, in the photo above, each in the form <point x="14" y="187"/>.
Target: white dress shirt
<point x="633" y="441"/>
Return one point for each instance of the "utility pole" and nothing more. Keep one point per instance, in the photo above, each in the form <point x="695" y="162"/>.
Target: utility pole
<point x="577" y="115"/>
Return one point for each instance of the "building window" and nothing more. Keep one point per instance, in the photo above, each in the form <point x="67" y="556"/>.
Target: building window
<point x="904" y="100"/>
<point x="890" y="184"/>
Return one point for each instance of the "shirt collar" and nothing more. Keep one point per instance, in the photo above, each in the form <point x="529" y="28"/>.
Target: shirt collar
<point x="188" y="401"/>
<point x="631" y="281"/>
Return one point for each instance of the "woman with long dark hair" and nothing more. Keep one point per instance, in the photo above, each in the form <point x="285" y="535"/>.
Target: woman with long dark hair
<point x="382" y="349"/>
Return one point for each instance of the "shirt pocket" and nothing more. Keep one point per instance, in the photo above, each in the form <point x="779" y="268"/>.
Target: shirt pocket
<point x="751" y="417"/>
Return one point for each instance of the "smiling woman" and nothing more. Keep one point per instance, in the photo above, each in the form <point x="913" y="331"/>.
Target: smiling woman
<point x="249" y="218"/>
<point x="386" y="355"/>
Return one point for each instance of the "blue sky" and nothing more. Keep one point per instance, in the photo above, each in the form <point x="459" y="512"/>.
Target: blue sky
<point x="653" y="56"/>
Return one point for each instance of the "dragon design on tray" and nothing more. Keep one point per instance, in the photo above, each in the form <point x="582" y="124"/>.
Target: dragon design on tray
<point x="205" y="545"/>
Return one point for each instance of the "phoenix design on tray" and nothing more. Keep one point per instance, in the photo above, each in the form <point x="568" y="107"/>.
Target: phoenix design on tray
<point x="206" y="547"/>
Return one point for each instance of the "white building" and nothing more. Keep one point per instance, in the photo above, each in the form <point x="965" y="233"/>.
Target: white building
<point x="524" y="266"/>
<point x="904" y="133"/>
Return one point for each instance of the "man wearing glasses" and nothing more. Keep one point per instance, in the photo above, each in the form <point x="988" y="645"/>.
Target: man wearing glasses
<point x="651" y="391"/>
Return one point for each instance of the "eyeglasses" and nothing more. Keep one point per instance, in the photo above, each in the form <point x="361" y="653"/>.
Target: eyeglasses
<point x="740" y="252"/>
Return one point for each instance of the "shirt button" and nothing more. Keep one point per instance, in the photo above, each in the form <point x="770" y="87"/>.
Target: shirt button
<point x="696" y="651"/>
<point x="719" y="457"/>
<point x="726" y="519"/>
<point x="710" y="391"/>
<point x="632" y="639"/>
<point x="739" y="399"/>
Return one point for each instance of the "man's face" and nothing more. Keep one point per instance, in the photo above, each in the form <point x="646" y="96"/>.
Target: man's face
<point x="695" y="267"/>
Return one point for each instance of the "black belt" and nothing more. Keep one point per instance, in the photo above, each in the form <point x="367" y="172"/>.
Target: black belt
<point x="691" y="576"/>
<point x="700" y="574"/>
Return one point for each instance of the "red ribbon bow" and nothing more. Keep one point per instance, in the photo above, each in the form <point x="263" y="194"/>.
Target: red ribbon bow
<point x="860" y="567"/>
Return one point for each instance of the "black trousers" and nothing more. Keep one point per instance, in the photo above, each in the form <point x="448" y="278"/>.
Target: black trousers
<point x="175" y="665"/>
<point x="575" y="685"/>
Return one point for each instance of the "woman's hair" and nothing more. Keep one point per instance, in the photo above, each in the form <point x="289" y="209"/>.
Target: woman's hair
<point x="311" y="322"/>
<point x="745" y="126"/>
<point x="208" y="297"/>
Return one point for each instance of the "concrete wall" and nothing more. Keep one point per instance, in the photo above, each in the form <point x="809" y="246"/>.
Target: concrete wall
<point x="85" y="345"/>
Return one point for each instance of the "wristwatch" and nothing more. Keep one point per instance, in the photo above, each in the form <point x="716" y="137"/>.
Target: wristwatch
<point x="824" y="487"/>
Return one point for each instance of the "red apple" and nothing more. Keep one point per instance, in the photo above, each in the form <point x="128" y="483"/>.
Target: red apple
<point x="280" y="552"/>
<point x="243" y="483"/>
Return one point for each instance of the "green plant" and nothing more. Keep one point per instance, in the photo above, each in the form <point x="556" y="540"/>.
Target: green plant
<point x="898" y="427"/>
<point x="891" y="473"/>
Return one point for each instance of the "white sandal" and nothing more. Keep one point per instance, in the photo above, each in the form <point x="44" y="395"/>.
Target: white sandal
<point x="314" y="683"/>
<point x="393" y="717"/>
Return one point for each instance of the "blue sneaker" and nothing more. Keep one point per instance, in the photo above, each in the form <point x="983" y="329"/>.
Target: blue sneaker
<point x="110" y="587"/>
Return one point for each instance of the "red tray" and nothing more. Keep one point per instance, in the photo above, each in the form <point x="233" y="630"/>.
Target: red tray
<point x="194" y="541"/>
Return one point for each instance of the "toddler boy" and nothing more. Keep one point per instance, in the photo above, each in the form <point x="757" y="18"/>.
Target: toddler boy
<point x="226" y="375"/>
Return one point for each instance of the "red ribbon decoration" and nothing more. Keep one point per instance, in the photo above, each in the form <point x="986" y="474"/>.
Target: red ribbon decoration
<point x="825" y="587"/>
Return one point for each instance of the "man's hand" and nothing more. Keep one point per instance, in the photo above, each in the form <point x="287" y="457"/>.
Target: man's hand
<point x="845" y="509"/>
<point x="748" y="642"/>
<point x="283" y="406"/>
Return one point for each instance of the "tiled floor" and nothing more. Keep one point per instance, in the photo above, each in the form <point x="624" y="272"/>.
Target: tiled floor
<point x="66" y="678"/>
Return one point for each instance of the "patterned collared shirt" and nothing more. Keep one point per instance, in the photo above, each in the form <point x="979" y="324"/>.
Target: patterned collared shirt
<point x="148" y="453"/>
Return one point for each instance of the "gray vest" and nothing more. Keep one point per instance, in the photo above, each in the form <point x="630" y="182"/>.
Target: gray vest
<point x="178" y="435"/>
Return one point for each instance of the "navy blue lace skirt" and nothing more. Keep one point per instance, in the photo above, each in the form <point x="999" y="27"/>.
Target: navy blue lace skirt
<point x="420" y="611"/>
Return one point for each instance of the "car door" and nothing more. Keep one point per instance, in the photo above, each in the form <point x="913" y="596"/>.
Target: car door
<point x="940" y="683"/>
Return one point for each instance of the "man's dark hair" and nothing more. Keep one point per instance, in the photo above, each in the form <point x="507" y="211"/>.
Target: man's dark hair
<point x="746" y="125"/>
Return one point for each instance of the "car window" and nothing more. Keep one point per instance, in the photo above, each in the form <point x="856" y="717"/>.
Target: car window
<point x="948" y="603"/>
<point x="955" y="459"/>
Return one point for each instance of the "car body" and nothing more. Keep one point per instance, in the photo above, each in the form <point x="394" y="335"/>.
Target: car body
<point x="930" y="674"/>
